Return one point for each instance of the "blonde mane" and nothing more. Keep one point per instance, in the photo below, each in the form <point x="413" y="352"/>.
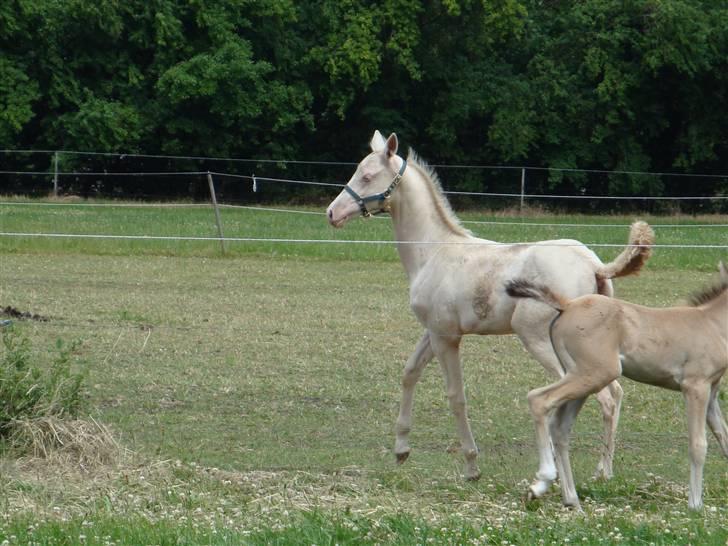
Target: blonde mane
<point x="442" y="205"/>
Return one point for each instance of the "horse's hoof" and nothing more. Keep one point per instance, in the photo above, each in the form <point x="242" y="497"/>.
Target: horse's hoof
<point x="402" y="457"/>
<point x="573" y="507"/>
<point x="538" y="489"/>
<point x="473" y="477"/>
<point x="603" y="472"/>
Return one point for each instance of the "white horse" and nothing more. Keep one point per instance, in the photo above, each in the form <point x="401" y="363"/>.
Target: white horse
<point x="598" y="339"/>
<point x="457" y="283"/>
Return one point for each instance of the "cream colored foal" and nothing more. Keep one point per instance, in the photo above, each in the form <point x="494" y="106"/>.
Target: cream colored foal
<point x="456" y="283"/>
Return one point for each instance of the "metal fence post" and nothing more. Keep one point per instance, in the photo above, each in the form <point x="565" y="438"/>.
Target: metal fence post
<point x="217" y="211"/>
<point x="55" y="174"/>
<point x="523" y="186"/>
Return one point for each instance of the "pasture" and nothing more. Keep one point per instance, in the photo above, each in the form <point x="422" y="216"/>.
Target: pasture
<point x="257" y="391"/>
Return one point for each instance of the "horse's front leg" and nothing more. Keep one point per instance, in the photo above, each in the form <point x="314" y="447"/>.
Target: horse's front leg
<point x="697" y="397"/>
<point x="447" y="350"/>
<point x="411" y="375"/>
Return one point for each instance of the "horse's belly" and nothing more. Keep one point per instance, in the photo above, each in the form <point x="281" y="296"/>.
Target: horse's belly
<point x="645" y="370"/>
<point x="492" y="324"/>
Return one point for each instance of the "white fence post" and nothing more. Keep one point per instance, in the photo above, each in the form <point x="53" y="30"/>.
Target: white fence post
<point x="217" y="211"/>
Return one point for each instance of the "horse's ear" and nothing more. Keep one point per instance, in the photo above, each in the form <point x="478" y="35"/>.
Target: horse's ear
<point x="392" y="144"/>
<point x="377" y="143"/>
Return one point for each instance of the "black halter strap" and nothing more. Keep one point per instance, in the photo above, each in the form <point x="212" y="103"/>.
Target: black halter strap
<point x="378" y="198"/>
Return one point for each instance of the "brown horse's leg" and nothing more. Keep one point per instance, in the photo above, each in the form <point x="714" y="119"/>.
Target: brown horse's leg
<point x="531" y="323"/>
<point x="696" y="398"/>
<point x="610" y="400"/>
<point x="411" y="375"/>
<point x="561" y="424"/>
<point x="543" y="402"/>
<point x="716" y="421"/>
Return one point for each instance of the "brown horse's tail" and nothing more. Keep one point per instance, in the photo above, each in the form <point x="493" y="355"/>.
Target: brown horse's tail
<point x="632" y="258"/>
<point x="520" y="288"/>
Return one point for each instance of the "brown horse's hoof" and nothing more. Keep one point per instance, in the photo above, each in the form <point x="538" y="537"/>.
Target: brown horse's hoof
<point x="402" y="457"/>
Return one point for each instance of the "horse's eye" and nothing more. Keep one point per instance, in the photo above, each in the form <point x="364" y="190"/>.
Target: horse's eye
<point x="366" y="178"/>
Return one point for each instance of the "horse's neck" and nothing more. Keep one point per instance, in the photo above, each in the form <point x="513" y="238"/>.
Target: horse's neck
<point x="717" y="309"/>
<point x="419" y="220"/>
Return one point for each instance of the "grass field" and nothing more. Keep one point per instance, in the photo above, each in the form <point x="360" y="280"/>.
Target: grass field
<point x="255" y="394"/>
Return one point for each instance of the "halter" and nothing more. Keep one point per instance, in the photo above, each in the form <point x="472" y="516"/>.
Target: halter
<point x="378" y="197"/>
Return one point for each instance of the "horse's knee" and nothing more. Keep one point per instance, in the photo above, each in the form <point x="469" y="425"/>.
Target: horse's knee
<point x="610" y="399"/>
<point x="698" y="450"/>
<point x="410" y="377"/>
<point x="536" y="404"/>
<point x="617" y="391"/>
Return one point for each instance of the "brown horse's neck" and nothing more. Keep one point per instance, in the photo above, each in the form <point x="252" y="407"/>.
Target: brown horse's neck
<point x="717" y="309"/>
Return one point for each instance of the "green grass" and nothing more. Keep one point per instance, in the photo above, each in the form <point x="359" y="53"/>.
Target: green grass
<point x="320" y="528"/>
<point x="310" y="224"/>
<point x="259" y="392"/>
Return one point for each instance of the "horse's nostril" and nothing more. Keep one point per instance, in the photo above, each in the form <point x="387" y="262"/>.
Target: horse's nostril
<point x="330" y="214"/>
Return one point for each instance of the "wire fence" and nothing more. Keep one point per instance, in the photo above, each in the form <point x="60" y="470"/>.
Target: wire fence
<point x="218" y="195"/>
<point x="474" y="242"/>
<point x="223" y="239"/>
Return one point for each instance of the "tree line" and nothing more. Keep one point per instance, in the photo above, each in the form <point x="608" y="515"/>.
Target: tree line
<point x="616" y="85"/>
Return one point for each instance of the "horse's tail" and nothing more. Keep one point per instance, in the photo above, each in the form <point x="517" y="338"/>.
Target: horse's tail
<point x="520" y="288"/>
<point x="632" y="258"/>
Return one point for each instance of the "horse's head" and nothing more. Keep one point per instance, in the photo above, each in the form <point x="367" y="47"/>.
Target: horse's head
<point x="368" y="190"/>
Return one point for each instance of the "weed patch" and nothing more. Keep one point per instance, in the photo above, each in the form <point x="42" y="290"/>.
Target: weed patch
<point x="12" y="312"/>
<point x="29" y="393"/>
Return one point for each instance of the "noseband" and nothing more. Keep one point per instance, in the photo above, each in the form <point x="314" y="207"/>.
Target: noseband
<point x="379" y="198"/>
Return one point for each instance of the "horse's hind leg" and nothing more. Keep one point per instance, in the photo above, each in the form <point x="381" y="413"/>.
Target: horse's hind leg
<point x="610" y="400"/>
<point x="543" y="402"/>
<point x="716" y="421"/>
<point x="531" y="322"/>
<point x="561" y="424"/>
<point x="410" y="376"/>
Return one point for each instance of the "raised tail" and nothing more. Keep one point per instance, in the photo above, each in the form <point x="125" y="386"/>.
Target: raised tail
<point x="632" y="258"/>
<point x="520" y="288"/>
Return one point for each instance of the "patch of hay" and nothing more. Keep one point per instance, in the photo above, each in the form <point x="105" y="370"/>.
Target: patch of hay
<point x="60" y="467"/>
<point x="84" y="444"/>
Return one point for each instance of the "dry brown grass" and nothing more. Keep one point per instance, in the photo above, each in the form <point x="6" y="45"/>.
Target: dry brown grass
<point x="84" y="444"/>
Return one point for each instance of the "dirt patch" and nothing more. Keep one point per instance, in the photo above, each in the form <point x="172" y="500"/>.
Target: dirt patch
<point x="12" y="312"/>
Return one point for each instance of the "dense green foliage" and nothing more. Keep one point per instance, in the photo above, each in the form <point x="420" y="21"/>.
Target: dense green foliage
<point x="633" y="85"/>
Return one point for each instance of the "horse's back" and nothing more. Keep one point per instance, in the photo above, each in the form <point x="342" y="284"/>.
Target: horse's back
<point x="566" y="266"/>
